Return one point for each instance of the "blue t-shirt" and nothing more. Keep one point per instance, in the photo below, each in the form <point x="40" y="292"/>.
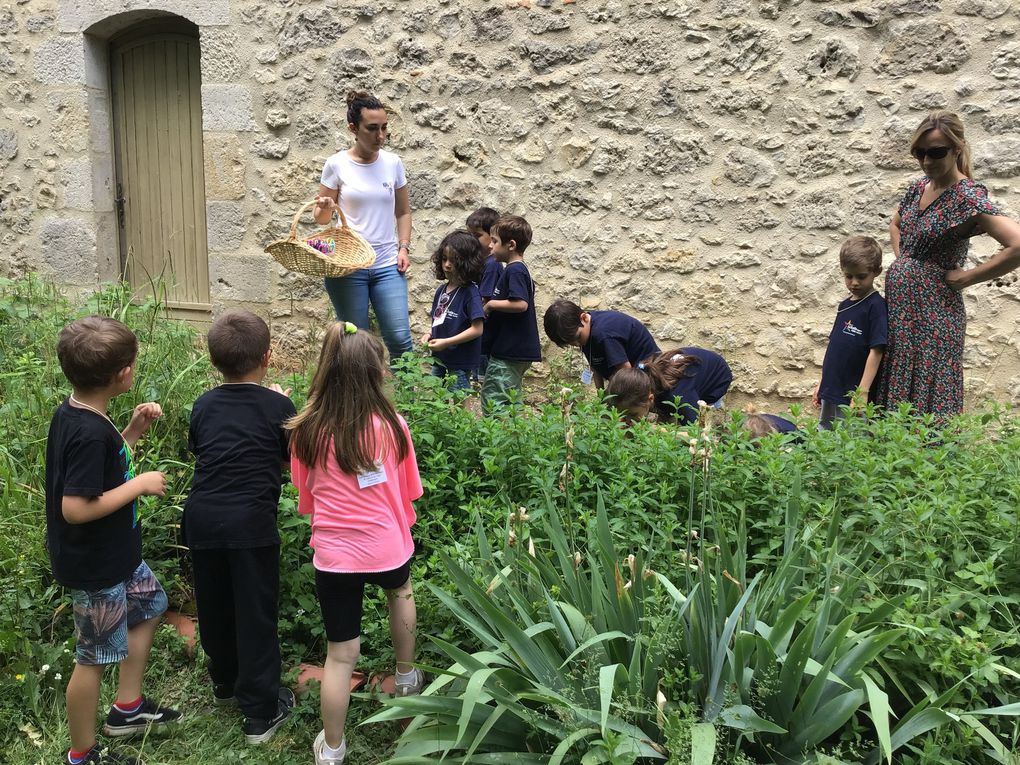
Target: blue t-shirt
<point x="860" y="326"/>
<point x="490" y="275"/>
<point x="514" y="336"/>
<point x="707" y="380"/>
<point x="616" y="338"/>
<point x="463" y="310"/>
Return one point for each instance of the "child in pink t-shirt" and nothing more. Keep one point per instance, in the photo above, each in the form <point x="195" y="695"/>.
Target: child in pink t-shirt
<point x="353" y="463"/>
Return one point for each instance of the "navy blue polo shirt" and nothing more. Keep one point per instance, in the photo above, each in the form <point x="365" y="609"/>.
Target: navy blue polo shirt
<point x="490" y="275"/>
<point x="514" y="336"/>
<point x="860" y="325"/>
<point x="463" y="310"/>
<point x="707" y="380"/>
<point x="781" y="424"/>
<point x="616" y="338"/>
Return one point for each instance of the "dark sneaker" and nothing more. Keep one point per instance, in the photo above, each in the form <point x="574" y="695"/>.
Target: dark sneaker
<point x="101" y="755"/>
<point x="259" y="731"/>
<point x="149" y="713"/>
<point x="223" y="695"/>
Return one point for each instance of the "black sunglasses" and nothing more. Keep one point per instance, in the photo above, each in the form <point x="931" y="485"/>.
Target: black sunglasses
<point x="935" y="152"/>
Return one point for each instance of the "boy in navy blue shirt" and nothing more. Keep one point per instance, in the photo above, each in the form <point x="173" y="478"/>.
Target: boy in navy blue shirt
<point x="457" y="315"/>
<point x="859" y="334"/>
<point x="511" y="336"/>
<point x="480" y="224"/>
<point x="609" y="340"/>
<point x="237" y="436"/>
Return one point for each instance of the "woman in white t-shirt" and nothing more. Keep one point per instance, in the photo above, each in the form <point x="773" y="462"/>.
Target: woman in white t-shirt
<point x="372" y="188"/>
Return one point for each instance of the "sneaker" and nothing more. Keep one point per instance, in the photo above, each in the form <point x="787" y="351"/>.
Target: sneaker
<point x="258" y="730"/>
<point x="148" y="713"/>
<point x="101" y="755"/>
<point x="409" y="688"/>
<point x="223" y="695"/>
<point x="320" y="745"/>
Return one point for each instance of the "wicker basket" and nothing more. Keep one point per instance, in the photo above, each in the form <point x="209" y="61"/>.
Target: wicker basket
<point x="349" y="251"/>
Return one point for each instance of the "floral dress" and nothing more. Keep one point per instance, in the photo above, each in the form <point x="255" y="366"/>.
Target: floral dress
<point x="923" y="364"/>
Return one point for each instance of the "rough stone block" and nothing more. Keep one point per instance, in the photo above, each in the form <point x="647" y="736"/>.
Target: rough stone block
<point x="76" y="180"/>
<point x="79" y="15"/>
<point x="225" y="163"/>
<point x="268" y="147"/>
<point x="8" y="144"/>
<point x="242" y="278"/>
<point x="923" y="46"/>
<point x="226" y="225"/>
<point x="68" y="250"/>
<point x="60" y="61"/>
<point x="227" y="108"/>
<point x="1000" y="157"/>
<point x="221" y="54"/>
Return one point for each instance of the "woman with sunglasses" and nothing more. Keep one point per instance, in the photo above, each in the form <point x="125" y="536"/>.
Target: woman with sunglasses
<point x="372" y="189"/>
<point x="930" y="233"/>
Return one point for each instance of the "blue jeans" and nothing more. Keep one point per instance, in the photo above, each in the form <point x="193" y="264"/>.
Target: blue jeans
<point x="461" y="377"/>
<point x="387" y="289"/>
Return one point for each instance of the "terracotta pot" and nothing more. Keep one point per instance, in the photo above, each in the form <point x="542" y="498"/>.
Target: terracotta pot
<point x="186" y="626"/>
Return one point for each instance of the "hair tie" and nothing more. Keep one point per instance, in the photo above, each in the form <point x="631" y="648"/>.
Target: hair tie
<point x="641" y="366"/>
<point x="350" y="329"/>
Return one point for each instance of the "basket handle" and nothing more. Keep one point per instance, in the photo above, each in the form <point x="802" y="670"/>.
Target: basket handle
<point x="308" y="206"/>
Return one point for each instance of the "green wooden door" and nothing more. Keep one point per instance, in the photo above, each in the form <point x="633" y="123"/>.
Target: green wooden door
<point x="157" y="107"/>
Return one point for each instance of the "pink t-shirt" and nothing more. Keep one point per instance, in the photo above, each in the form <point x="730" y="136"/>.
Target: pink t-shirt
<point x="361" y="523"/>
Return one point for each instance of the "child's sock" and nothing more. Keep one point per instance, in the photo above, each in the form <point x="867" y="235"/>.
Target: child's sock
<point x="329" y="753"/>
<point x="73" y="757"/>
<point x="407" y="678"/>
<point x="130" y="706"/>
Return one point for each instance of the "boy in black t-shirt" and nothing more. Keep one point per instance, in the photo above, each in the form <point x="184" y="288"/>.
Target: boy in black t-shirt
<point x="94" y="535"/>
<point x="240" y="446"/>
<point x="859" y="334"/>
<point x="511" y="330"/>
<point x="609" y="340"/>
<point x="480" y="224"/>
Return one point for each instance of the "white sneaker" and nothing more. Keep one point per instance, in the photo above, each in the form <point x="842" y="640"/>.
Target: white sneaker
<point x="409" y="688"/>
<point x="320" y="745"/>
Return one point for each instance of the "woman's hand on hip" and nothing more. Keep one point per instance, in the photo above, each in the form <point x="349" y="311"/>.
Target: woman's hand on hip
<point x="957" y="279"/>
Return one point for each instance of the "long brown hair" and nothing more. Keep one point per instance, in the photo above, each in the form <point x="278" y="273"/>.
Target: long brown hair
<point x="951" y="126"/>
<point x="346" y="393"/>
<point x="666" y="368"/>
<point x="628" y="390"/>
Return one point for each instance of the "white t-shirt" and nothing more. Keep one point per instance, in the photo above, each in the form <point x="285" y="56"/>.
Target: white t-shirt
<point x="367" y="198"/>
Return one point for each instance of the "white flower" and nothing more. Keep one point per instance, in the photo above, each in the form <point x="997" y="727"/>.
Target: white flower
<point x="57" y="676"/>
<point x="45" y="668"/>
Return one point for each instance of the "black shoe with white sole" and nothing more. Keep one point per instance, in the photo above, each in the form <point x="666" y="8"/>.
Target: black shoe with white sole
<point x="148" y="714"/>
<point x="258" y="730"/>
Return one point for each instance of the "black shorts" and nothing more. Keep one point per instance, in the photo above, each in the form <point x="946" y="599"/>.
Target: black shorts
<point x="341" y="595"/>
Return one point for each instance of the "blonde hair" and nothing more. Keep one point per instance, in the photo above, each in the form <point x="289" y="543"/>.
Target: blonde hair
<point x="951" y="126"/>
<point x="346" y="394"/>
<point x="758" y="426"/>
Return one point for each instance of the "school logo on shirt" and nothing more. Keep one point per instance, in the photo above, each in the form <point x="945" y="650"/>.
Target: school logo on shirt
<point x="388" y="186"/>
<point x="850" y="329"/>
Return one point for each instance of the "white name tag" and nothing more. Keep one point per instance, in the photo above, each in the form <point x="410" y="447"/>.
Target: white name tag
<point x="586" y="377"/>
<point x="438" y="320"/>
<point x="371" y="478"/>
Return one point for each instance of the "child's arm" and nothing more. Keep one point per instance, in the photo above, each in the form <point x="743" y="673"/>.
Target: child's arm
<point x="816" y="396"/>
<point x="514" y="305"/>
<point x="143" y="416"/>
<point x="870" y="370"/>
<point x="469" y="334"/>
<point x="85" y="509"/>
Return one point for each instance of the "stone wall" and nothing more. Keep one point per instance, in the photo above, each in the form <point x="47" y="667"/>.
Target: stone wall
<point x="693" y="162"/>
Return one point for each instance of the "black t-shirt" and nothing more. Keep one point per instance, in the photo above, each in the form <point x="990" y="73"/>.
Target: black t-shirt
<point x="463" y="310"/>
<point x="860" y="325"/>
<point x="86" y="457"/>
<point x="708" y="380"/>
<point x="616" y="338"/>
<point x="240" y="446"/>
<point x="514" y="336"/>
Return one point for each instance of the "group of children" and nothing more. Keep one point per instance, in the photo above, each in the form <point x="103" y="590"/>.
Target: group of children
<point x="352" y="460"/>
<point x="484" y="324"/>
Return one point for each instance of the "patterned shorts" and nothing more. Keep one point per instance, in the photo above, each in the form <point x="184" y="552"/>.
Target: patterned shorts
<point x="102" y="617"/>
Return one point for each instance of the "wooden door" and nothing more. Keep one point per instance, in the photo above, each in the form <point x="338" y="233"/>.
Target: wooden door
<point x="157" y="108"/>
